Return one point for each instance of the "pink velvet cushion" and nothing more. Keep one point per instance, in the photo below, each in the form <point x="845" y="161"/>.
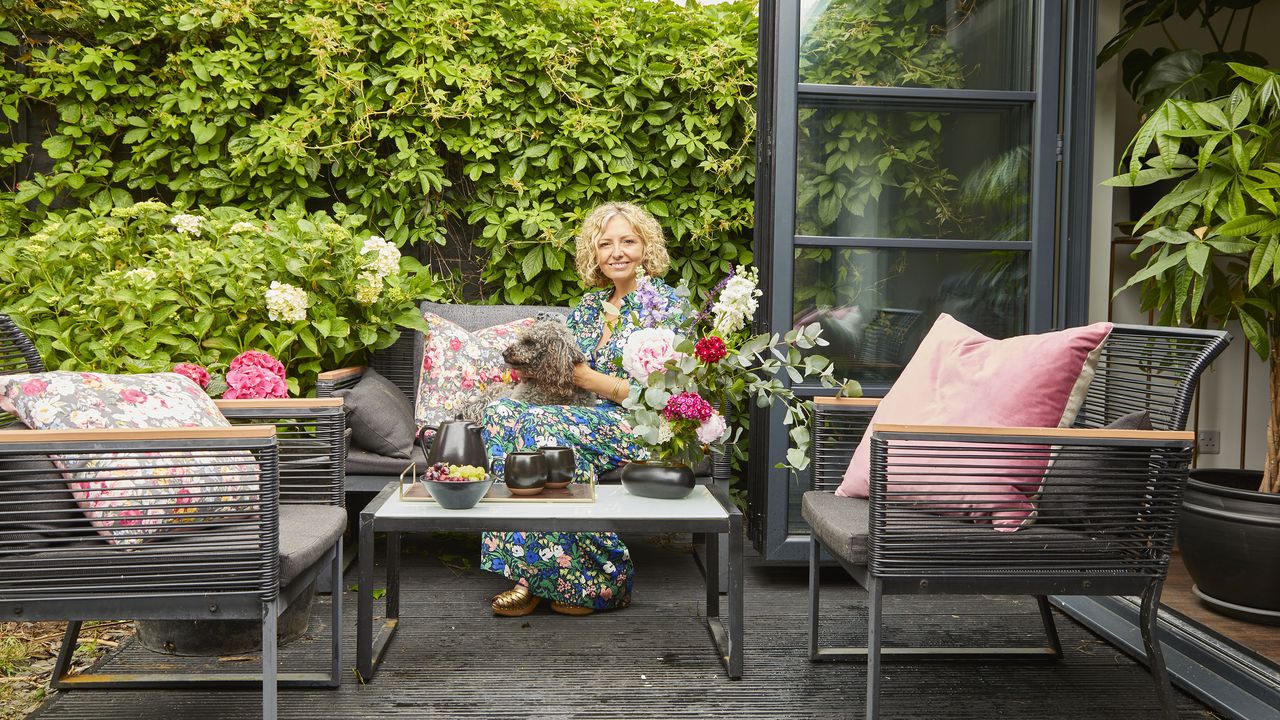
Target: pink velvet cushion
<point x="959" y="376"/>
<point x="130" y="497"/>
<point x="457" y="365"/>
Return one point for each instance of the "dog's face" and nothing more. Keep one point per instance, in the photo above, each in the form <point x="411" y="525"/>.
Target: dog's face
<point x="544" y="350"/>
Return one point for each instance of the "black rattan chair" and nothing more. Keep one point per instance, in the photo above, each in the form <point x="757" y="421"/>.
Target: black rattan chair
<point x="1113" y="537"/>
<point x="250" y="563"/>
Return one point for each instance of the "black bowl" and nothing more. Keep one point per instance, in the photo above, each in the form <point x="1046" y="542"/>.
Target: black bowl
<point x="458" y="495"/>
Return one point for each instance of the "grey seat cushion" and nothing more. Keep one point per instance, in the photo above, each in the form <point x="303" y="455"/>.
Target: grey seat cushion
<point x="841" y="524"/>
<point x="37" y="509"/>
<point x="379" y="415"/>
<point x="363" y="462"/>
<point x="476" y="317"/>
<point x="306" y="532"/>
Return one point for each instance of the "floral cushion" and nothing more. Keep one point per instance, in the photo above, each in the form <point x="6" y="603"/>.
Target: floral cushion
<point x="456" y="365"/>
<point x="130" y="497"/>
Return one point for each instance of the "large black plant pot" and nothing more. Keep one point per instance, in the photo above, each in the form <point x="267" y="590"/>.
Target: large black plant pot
<point x="224" y="637"/>
<point x="1230" y="539"/>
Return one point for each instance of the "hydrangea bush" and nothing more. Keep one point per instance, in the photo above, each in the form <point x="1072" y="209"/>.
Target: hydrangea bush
<point x="144" y="287"/>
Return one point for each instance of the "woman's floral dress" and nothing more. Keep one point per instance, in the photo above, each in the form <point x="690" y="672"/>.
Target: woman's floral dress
<point x="584" y="569"/>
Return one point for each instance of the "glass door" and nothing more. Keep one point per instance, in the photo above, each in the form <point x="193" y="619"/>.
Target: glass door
<point x="909" y="167"/>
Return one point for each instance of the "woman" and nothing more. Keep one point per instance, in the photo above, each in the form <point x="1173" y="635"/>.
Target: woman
<point x="583" y="572"/>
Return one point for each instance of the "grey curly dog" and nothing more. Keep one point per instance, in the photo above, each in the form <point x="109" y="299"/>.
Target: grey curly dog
<point x="542" y="355"/>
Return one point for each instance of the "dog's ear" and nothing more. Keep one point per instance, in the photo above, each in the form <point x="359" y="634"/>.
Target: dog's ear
<point x="549" y="315"/>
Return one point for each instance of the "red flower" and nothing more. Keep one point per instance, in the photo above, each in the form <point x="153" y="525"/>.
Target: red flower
<point x="710" y="350"/>
<point x="194" y="373"/>
<point x="257" y="358"/>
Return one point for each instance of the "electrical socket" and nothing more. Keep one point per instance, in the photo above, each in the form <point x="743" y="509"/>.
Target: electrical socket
<point x="1209" y="442"/>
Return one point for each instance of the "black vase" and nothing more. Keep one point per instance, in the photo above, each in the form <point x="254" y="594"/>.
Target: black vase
<point x="525" y="472"/>
<point x="560" y="466"/>
<point x="657" y="479"/>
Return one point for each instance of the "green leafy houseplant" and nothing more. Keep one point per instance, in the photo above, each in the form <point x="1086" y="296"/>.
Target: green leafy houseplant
<point x="1214" y="252"/>
<point x="1153" y="76"/>
<point x="140" y="288"/>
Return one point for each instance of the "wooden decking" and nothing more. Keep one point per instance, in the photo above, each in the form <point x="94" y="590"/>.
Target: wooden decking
<point x="453" y="659"/>
<point x="1261" y="639"/>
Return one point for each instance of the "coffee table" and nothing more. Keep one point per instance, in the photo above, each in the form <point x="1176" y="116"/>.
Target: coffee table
<point x="705" y="513"/>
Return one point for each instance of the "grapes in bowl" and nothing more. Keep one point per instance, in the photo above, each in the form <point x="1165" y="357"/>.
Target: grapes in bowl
<point x="456" y="487"/>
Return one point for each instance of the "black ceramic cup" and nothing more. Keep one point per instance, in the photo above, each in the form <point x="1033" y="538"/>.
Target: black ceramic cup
<point x="525" y="472"/>
<point x="560" y="465"/>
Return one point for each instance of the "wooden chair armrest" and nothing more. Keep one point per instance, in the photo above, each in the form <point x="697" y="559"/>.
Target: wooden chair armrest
<point x="341" y="373"/>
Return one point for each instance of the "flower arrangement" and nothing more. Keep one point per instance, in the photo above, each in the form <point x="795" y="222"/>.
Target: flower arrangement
<point x="684" y="377"/>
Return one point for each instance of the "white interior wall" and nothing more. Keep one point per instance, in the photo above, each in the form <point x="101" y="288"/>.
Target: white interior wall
<point x="1223" y="396"/>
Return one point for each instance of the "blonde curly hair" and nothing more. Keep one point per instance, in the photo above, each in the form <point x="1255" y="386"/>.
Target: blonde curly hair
<point x="654" y="261"/>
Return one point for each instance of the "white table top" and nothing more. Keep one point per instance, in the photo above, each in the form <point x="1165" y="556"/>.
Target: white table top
<point x="612" y="503"/>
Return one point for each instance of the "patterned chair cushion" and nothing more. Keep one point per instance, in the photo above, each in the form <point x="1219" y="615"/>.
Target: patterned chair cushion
<point x="128" y="498"/>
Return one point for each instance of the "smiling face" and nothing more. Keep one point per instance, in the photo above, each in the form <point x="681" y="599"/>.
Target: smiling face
<point x="619" y="251"/>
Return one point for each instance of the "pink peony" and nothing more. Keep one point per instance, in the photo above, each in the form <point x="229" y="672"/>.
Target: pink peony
<point x="687" y="406"/>
<point x="712" y="429"/>
<point x="194" y="373"/>
<point x="34" y="387"/>
<point x="251" y="382"/>
<point x="257" y="358"/>
<point x="647" y="351"/>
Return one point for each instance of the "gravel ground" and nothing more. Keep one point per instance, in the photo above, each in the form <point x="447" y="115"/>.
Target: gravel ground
<point x="27" y="652"/>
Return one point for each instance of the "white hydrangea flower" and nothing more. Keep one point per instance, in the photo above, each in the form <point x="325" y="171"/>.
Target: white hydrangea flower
<point x="664" y="431"/>
<point x="737" y="302"/>
<point x="286" y="302"/>
<point x="141" y="276"/>
<point x="242" y="226"/>
<point x="368" y="288"/>
<point x="386" y="256"/>
<point x="187" y="224"/>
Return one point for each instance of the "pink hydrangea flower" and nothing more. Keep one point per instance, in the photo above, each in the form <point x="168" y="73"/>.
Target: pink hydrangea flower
<point x="251" y="382"/>
<point x="194" y="373"/>
<point x="687" y="406"/>
<point x="257" y="358"/>
<point x="712" y="429"/>
<point x="647" y="351"/>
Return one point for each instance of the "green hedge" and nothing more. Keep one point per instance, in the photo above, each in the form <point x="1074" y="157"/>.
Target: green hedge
<point x="508" y="119"/>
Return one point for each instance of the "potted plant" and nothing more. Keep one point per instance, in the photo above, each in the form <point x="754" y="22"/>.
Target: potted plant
<point x="1153" y="75"/>
<point x="1213" y="255"/>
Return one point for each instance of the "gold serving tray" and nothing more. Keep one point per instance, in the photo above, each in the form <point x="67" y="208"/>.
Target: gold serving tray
<point x="413" y="491"/>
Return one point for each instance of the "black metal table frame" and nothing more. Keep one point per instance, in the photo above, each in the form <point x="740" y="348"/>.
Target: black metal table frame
<point x="725" y="632"/>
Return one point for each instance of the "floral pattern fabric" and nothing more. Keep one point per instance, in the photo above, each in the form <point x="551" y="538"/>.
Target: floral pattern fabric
<point x="583" y="569"/>
<point x="130" y="497"/>
<point x="457" y="364"/>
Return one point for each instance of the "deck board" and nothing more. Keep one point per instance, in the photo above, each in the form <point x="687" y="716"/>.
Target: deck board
<point x="453" y="659"/>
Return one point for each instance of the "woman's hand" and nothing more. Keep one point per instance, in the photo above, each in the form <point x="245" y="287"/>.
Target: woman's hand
<point x="606" y="386"/>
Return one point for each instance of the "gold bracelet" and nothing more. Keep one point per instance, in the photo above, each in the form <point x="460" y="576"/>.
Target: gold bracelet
<point x="622" y="385"/>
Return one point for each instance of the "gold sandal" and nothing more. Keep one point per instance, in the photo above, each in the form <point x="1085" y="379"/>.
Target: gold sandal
<point x="516" y="602"/>
<point x="576" y="610"/>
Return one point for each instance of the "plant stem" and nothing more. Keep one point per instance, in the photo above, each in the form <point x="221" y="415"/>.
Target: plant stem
<point x="1271" y="469"/>
<point x="1204" y="22"/>
<point x="1244" y="35"/>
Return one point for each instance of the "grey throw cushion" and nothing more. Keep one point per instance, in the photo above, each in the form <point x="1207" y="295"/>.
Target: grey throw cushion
<point x="379" y="415"/>
<point x="1089" y="489"/>
<point x="33" y="492"/>
<point x="476" y="317"/>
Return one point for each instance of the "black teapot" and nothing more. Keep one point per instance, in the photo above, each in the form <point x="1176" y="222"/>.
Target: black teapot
<point x="458" y="442"/>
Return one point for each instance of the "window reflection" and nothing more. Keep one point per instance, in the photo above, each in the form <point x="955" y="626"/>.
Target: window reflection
<point x="899" y="174"/>
<point x="875" y="304"/>
<point x="972" y="44"/>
